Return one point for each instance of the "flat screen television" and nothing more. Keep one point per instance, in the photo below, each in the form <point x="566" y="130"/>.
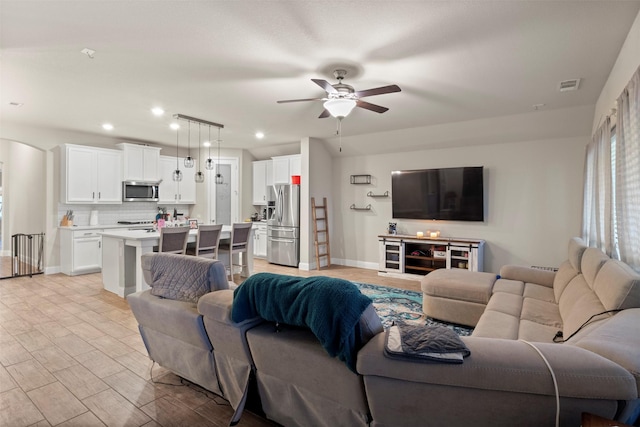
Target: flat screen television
<point x="454" y="194"/>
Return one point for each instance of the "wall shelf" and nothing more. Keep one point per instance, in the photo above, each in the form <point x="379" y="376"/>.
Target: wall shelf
<point x="366" y="208"/>
<point x="370" y="194"/>
<point x="361" y="179"/>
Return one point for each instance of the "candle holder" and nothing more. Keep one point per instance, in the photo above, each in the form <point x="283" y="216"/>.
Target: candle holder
<point x="433" y="234"/>
<point x="419" y="234"/>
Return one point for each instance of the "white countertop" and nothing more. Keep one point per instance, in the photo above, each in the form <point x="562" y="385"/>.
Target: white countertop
<point x="147" y="235"/>
<point x="103" y="226"/>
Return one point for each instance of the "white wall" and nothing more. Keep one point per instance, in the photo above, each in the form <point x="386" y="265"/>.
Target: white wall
<point x="624" y="67"/>
<point x="24" y="204"/>
<point x="317" y="173"/>
<point x="533" y="198"/>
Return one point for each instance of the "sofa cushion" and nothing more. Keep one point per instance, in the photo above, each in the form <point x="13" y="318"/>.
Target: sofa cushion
<point x="592" y="261"/>
<point x="461" y="285"/>
<point x="515" y="287"/>
<point x="539" y="292"/>
<point x="541" y="312"/>
<point x="565" y="274"/>
<point x="617" y="286"/>
<point x="536" y="332"/>
<point x="585" y="306"/>
<point x="507" y="303"/>
<point x="177" y="319"/>
<point x="576" y="250"/>
<point x="494" y="324"/>
<point x="182" y="277"/>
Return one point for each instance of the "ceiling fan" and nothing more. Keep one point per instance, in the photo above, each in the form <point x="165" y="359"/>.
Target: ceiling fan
<point x="342" y="98"/>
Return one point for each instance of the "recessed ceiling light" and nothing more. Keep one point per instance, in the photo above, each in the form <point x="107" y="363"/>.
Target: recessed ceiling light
<point x="174" y="126"/>
<point x="157" y="111"/>
<point x="16" y="104"/>
<point x="259" y="135"/>
<point x="206" y="144"/>
<point x="107" y="126"/>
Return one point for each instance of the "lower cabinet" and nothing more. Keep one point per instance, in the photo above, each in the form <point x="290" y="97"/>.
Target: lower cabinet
<point x="80" y="251"/>
<point x="260" y="240"/>
<point x="410" y="256"/>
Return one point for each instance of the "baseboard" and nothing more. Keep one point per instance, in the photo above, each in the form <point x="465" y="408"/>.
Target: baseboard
<point x="306" y="266"/>
<point x="52" y="270"/>
<point x="354" y="263"/>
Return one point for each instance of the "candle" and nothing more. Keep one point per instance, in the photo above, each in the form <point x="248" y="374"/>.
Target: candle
<point x="420" y="234"/>
<point x="434" y="234"/>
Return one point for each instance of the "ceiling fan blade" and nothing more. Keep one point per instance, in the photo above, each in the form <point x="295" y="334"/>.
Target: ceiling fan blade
<point x="324" y="114"/>
<point x="370" y="106"/>
<point x="378" y="91"/>
<point x="325" y="85"/>
<point x="300" y="100"/>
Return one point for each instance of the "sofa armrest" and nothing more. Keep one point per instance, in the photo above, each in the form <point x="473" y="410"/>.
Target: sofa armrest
<point x="217" y="306"/>
<point x="528" y="275"/>
<point x="511" y="366"/>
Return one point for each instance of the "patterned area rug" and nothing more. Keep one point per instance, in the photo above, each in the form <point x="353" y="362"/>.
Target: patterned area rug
<point x="393" y="304"/>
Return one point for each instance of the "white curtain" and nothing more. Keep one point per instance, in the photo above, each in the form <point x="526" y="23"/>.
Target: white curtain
<point x="598" y="230"/>
<point x="627" y="174"/>
<point x="611" y="215"/>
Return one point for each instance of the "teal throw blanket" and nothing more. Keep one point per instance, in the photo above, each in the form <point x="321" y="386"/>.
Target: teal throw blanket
<point x="330" y="307"/>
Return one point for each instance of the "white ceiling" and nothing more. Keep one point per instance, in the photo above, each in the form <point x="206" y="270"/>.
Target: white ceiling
<point x="230" y="61"/>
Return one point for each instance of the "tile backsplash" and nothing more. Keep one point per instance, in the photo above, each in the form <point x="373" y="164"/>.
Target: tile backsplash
<point x="111" y="214"/>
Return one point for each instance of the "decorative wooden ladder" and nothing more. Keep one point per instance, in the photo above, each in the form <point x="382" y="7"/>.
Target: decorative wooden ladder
<point x="321" y="227"/>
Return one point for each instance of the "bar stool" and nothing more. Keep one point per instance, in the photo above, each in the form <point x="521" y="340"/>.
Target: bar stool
<point x="173" y="240"/>
<point x="238" y="243"/>
<point x="207" y="241"/>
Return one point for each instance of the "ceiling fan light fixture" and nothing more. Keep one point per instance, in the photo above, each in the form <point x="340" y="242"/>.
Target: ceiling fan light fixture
<point x="339" y="107"/>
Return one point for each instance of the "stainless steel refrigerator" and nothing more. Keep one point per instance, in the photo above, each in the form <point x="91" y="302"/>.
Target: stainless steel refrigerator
<point x="283" y="228"/>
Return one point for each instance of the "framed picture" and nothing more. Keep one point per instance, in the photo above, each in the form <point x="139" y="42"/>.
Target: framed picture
<point x="193" y="223"/>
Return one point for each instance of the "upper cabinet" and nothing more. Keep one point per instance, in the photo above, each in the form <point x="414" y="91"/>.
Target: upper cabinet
<point x="140" y="163"/>
<point x="262" y="179"/>
<point x="284" y="167"/>
<point x="91" y="175"/>
<point x="176" y="192"/>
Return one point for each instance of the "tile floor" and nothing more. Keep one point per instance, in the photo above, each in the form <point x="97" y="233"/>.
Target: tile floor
<point x="71" y="355"/>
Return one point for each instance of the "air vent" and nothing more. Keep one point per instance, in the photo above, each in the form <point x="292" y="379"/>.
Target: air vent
<point x="567" y="85"/>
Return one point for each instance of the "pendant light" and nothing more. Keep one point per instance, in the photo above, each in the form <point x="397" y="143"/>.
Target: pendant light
<point x="177" y="174"/>
<point x="219" y="177"/>
<point x="208" y="165"/>
<point x="199" y="175"/>
<point x="188" y="161"/>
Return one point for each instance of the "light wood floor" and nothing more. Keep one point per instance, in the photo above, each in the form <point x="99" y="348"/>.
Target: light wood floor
<point x="71" y="355"/>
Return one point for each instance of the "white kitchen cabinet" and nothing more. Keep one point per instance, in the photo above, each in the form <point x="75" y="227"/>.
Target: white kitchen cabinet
<point x="284" y="167"/>
<point x="260" y="240"/>
<point x="176" y="192"/>
<point x="140" y="162"/>
<point x="91" y="175"/>
<point x="80" y="251"/>
<point x="262" y="179"/>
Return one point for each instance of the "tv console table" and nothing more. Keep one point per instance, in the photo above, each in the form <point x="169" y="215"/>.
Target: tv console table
<point x="411" y="257"/>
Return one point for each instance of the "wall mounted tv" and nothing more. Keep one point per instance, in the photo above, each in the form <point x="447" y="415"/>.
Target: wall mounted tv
<point x="454" y="194"/>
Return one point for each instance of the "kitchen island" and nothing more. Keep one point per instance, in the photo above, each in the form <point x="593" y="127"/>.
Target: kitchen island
<point x="122" y="251"/>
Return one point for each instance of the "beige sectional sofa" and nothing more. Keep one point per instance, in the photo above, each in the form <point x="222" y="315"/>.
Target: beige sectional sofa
<point x="505" y="380"/>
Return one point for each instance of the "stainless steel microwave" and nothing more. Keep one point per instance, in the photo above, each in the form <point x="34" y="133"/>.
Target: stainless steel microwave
<point x="140" y="191"/>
